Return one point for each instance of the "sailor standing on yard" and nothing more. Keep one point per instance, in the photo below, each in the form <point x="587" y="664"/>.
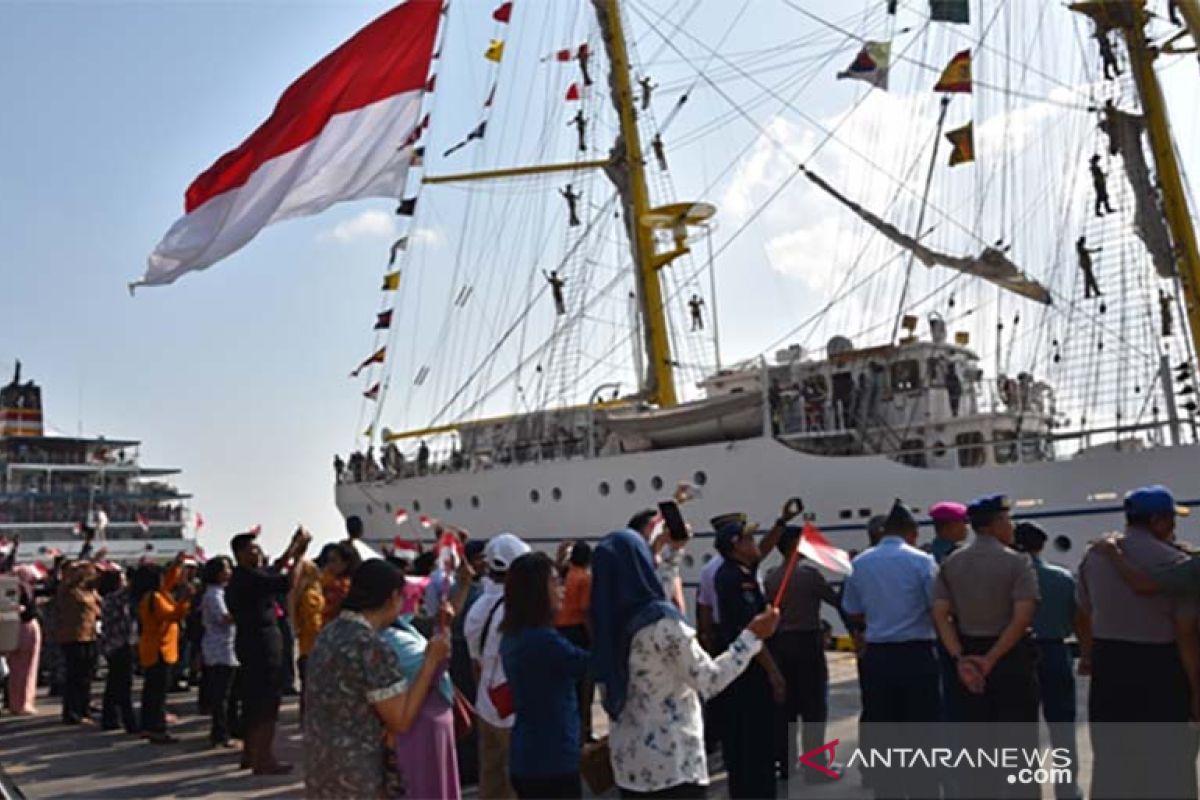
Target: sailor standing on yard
<point x="985" y="599"/>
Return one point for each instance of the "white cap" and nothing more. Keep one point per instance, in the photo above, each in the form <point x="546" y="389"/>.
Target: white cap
<point x="502" y="550"/>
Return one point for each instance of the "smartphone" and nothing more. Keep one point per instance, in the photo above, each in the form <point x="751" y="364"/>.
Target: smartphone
<point x="795" y="507"/>
<point x="673" y="520"/>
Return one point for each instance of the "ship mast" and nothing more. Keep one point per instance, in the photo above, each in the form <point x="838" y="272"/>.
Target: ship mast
<point x="626" y="169"/>
<point x="1130" y="18"/>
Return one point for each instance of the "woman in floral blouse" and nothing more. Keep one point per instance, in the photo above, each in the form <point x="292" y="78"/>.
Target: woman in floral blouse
<point x="655" y="672"/>
<point x="356" y="690"/>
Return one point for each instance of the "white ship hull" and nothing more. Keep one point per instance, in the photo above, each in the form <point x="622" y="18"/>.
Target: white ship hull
<point x="1077" y="499"/>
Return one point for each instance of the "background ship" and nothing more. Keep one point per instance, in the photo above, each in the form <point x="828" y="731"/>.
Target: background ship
<point x="990" y="366"/>
<point x="54" y="488"/>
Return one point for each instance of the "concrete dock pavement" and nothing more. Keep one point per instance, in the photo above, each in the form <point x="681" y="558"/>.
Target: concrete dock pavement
<point x="49" y="760"/>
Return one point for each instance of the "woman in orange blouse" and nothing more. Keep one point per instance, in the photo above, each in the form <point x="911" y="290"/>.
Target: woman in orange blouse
<point x="159" y="614"/>
<point x="340" y="562"/>
<point x="305" y="604"/>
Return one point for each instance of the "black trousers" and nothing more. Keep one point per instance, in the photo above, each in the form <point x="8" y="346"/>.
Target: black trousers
<point x="584" y="688"/>
<point x="800" y="656"/>
<point x="80" y="661"/>
<point x="1138" y="708"/>
<point x="747" y="740"/>
<point x="1005" y="714"/>
<point x="901" y="695"/>
<point x="154" y="697"/>
<point x="118" y="691"/>
<point x="550" y="787"/>
<point x="219" y="680"/>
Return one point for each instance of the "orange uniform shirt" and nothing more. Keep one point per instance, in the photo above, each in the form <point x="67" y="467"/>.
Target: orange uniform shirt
<point x="159" y="616"/>
<point x="308" y="619"/>
<point x="577" y="598"/>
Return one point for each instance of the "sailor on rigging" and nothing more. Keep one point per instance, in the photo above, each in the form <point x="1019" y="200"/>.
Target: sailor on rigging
<point x="696" y="304"/>
<point x="582" y="57"/>
<point x="1164" y="307"/>
<point x="1100" y="184"/>
<point x="656" y="144"/>
<point x="580" y="123"/>
<point x="647" y="91"/>
<point x="556" y="289"/>
<point x="572" y="197"/>
<point x="1109" y="58"/>
<point x="1090" y="287"/>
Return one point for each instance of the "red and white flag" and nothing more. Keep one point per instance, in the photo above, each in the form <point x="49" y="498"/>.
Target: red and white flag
<point x="199" y="522"/>
<point x="333" y="136"/>
<point x="426" y="522"/>
<point x="143" y="523"/>
<point x="817" y="548"/>
<point x="401" y="516"/>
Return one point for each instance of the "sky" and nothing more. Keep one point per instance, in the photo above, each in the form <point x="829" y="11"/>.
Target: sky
<point x="238" y="375"/>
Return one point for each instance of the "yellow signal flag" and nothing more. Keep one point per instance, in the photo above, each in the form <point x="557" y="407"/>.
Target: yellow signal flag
<point x="956" y="77"/>
<point x="495" y="51"/>
<point x="391" y="281"/>
<point x="963" y="141"/>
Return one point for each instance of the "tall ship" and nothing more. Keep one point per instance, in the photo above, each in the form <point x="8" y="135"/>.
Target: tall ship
<point x="983" y="204"/>
<point x="57" y="491"/>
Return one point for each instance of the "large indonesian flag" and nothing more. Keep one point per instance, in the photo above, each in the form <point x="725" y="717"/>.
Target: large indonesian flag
<point x="338" y="133"/>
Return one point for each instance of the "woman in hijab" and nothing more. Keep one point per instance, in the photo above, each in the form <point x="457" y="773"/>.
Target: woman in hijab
<point x="654" y="672"/>
<point x="23" y="662"/>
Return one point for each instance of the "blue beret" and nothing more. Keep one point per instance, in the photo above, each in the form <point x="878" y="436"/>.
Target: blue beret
<point x="983" y="507"/>
<point x="1153" y="501"/>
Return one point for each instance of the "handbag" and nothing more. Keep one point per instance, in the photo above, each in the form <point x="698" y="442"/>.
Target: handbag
<point x="464" y="714"/>
<point x="595" y="765"/>
<point x="500" y="694"/>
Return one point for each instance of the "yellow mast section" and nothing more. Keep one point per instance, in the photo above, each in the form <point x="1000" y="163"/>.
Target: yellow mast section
<point x="661" y="384"/>
<point x="1130" y="17"/>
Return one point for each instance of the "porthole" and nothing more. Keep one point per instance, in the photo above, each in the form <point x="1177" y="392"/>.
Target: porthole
<point x="845" y="513"/>
<point x="604" y="489"/>
<point x="656" y="483"/>
<point x="700" y="478"/>
<point x="1062" y="543"/>
<point x="630" y="485"/>
<point x="534" y="495"/>
<point x="689" y="560"/>
<point x="864" y="512"/>
<point x="449" y="504"/>
<point x="416" y="505"/>
<point x="939" y="449"/>
<point x="474" y="501"/>
<point x="387" y="507"/>
<point x="556" y="493"/>
<point x="707" y="557"/>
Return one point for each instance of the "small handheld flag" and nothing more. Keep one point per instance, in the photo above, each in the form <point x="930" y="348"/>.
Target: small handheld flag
<point x="401" y="517"/>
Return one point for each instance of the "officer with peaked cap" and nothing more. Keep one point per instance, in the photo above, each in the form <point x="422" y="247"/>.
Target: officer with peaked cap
<point x="984" y="602"/>
<point x="890" y="591"/>
<point x="1054" y="622"/>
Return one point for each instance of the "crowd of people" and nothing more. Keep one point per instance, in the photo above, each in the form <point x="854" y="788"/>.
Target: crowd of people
<point x="477" y="661"/>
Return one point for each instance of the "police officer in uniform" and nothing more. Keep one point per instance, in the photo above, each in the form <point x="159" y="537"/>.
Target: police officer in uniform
<point x="890" y="592"/>
<point x="748" y="703"/>
<point x="985" y="599"/>
<point x="1053" y="623"/>
<point x="1143" y="659"/>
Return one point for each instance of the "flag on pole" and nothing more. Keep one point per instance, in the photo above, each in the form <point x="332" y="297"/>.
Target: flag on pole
<point x="398" y="246"/>
<point x="425" y="522"/>
<point x="956" y="77"/>
<point x="143" y="523"/>
<point x="817" y="548"/>
<point x="477" y="133"/>
<point x="401" y="517"/>
<point x="503" y="13"/>
<point x="573" y="92"/>
<point x="198" y="522"/>
<point x="323" y="144"/>
<point x="963" y="142"/>
<point x="391" y="281"/>
<point x="373" y="392"/>
<point x="495" y="51"/>
<point x="383" y="320"/>
<point x="564" y="55"/>
<point x="375" y="358"/>
<point x="871" y="64"/>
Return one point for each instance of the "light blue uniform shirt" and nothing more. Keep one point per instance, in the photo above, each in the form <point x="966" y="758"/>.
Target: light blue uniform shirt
<point x="892" y="586"/>
<point x="1055" y="616"/>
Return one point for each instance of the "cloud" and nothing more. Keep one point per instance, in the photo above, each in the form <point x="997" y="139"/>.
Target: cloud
<point x="427" y="237"/>
<point x="370" y="225"/>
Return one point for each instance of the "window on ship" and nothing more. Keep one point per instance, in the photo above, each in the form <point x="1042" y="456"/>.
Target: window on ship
<point x="1005" y="447"/>
<point x="970" y="449"/>
<point x="913" y="452"/>
<point x="906" y="375"/>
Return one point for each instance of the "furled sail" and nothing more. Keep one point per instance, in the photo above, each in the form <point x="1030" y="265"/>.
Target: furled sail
<point x="1125" y="138"/>
<point x="991" y="264"/>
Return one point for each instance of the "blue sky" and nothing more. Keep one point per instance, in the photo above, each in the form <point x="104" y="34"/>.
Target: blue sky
<point x="238" y="374"/>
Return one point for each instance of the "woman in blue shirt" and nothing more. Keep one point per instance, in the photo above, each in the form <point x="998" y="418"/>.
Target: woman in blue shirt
<point x="542" y="669"/>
